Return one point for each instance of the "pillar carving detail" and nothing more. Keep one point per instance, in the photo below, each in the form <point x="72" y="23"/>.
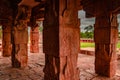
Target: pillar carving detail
<point x="61" y="40"/>
<point x="6" y="39"/>
<point x="34" y="39"/>
<point x="20" y="33"/>
<point x="106" y="34"/>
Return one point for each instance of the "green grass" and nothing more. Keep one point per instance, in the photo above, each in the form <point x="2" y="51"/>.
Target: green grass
<point x="118" y="45"/>
<point x="86" y="44"/>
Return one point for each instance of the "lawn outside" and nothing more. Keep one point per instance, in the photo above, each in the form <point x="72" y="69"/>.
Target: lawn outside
<point x="87" y="44"/>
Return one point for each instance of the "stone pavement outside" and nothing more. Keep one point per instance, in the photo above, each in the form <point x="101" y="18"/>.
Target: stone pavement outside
<point x="34" y="71"/>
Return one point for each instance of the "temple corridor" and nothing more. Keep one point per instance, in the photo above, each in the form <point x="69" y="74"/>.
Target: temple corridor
<point x="59" y="57"/>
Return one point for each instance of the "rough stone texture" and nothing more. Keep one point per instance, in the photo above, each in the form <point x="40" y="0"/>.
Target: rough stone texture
<point x="20" y="49"/>
<point x="88" y="52"/>
<point x="34" y="38"/>
<point x="36" y="62"/>
<point x="21" y="40"/>
<point x="6" y="39"/>
<point x="34" y="70"/>
<point x="87" y="72"/>
<point x="61" y="40"/>
<point x="106" y="33"/>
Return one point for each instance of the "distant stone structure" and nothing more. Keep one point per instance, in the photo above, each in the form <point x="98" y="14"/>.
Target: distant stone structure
<point x="34" y="39"/>
<point x="6" y="39"/>
<point x="86" y="40"/>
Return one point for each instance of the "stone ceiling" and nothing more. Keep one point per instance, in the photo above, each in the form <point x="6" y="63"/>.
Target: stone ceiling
<point x="9" y="7"/>
<point x="97" y="7"/>
<point x="92" y="7"/>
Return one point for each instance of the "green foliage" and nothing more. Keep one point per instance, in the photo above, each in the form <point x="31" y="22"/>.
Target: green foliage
<point x="40" y="29"/>
<point x="0" y="32"/>
<point x="118" y="45"/>
<point x="86" y="44"/>
<point x="88" y="32"/>
<point x="82" y="35"/>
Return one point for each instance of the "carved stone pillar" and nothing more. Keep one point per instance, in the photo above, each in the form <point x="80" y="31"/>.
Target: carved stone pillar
<point x="61" y="40"/>
<point x="34" y="39"/>
<point x="20" y="45"/>
<point x="6" y="39"/>
<point x="106" y="34"/>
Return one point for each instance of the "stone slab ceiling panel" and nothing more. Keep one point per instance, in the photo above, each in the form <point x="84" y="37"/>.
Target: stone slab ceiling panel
<point x="98" y="7"/>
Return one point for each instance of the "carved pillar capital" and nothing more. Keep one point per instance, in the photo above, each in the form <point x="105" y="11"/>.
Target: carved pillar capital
<point x="24" y="14"/>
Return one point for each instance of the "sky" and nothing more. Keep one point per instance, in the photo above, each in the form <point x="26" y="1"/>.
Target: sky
<point x="85" y="21"/>
<point x="90" y="21"/>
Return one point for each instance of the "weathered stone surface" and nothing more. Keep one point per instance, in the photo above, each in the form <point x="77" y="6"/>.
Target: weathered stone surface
<point x="106" y="34"/>
<point x="61" y="68"/>
<point x="6" y="39"/>
<point x="106" y="29"/>
<point x="34" y="72"/>
<point x="20" y="48"/>
<point x="61" y="40"/>
<point x="34" y="38"/>
<point x="69" y="44"/>
<point x="21" y="40"/>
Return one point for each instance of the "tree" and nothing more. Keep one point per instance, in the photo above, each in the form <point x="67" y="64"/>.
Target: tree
<point x="89" y="31"/>
<point x="89" y="28"/>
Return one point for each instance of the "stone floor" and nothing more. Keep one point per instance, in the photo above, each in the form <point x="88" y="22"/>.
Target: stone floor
<point x="87" y="72"/>
<point x="34" y="71"/>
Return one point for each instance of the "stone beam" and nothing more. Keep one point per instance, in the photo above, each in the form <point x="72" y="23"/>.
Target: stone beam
<point x="116" y="6"/>
<point x="38" y="11"/>
<point x="100" y="6"/>
<point x="30" y="3"/>
<point x="79" y="5"/>
<point x="87" y="15"/>
<point x="88" y="6"/>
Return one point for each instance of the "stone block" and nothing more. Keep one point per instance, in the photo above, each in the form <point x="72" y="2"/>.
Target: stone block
<point x="61" y="68"/>
<point x="106" y="35"/>
<point x="67" y="45"/>
<point x="6" y="40"/>
<point x="69" y="41"/>
<point x="51" y="41"/>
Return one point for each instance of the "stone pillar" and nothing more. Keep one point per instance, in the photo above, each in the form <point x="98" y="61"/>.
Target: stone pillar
<point x="20" y="33"/>
<point x="106" y="34"/>
<point x="34" y="39"/>
<point x="6" y="39"/>
<point x="61" y="40"/>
